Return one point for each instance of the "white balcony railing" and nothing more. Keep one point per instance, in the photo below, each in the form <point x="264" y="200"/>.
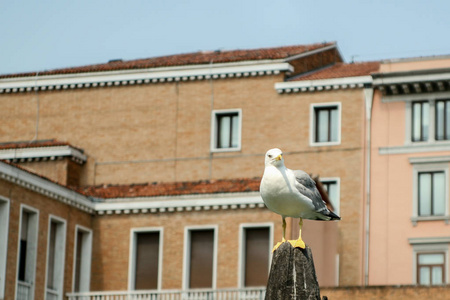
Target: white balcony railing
<point x="201" y="294"/>
<point x="52" y="294"/>
<point x="23" y="290"/>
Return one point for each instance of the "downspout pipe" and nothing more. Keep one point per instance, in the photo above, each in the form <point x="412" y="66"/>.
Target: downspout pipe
<point x="368" y="97"/>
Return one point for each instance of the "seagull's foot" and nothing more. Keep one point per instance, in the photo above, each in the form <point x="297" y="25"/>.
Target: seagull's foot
<point x="297" y="243"/>
<point x="278" y="245"/>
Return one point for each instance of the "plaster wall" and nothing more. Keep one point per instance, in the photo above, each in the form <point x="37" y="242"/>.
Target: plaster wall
<point x="391" y="260"/>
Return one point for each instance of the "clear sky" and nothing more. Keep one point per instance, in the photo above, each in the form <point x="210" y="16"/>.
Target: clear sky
<point x="37" y="35"/>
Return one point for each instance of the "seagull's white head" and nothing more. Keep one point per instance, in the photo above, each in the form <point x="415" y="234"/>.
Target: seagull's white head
<point x="274" y="157"/>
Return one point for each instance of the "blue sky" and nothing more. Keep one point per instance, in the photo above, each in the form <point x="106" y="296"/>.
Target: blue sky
<point x="43" y="35"/>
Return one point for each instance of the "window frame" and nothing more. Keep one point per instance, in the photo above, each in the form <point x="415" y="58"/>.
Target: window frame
<point x="313" y="123"/>
<point x="337" y="180"/>
<point x="242" y="242"/>
<point x="445" y="121"/>
<point x="4" y="231"/>
<point x="429" y="245"/>
<point x="432" y="196"/>
<point x="187" y="253"/>
<point x="59" y="266"/>
<point x="30" y="265"/>
<point x="85" y="267"/>
<point x="432" y="99"/>
<point x="418" y="266"/>
<point x="132" y="255"/>
<point x="422" y="133"/>
<point x="422" y="165"/>
<point x="215" y="128"/>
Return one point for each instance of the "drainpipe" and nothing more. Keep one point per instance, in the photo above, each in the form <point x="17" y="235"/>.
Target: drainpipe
<point x="368" y="97"/>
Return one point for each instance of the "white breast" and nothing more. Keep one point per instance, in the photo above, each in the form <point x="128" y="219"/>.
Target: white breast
<point x="280" y="195"/>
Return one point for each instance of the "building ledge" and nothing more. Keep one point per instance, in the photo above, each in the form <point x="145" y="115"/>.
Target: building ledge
<point x="16" y="152"/>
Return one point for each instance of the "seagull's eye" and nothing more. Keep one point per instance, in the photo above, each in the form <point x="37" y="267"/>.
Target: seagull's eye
<point x="270" y="155"/>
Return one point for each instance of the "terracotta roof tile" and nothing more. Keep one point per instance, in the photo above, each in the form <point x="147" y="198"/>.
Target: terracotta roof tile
<point x="35" y="144"/>
<point x="340" y="70"/>
<point x="172" y="189"/>
<point x="195" y="58"/>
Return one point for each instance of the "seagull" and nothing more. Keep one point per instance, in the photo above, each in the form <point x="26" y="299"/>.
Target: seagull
<point x="291" y="193"/>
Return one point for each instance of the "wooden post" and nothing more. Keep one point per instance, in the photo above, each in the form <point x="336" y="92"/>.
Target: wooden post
<point x="292" y="275"/>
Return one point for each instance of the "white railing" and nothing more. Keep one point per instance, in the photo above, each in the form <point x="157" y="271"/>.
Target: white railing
<point x="201" y="294"/>
<point x="52" y="294"/>
<point x="23" y="290"/>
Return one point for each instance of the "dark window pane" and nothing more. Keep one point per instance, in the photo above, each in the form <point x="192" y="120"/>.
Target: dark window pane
<point x="447" y="120"/>
<point x="425" y="194"/>
<point x="322" y="125"/>
<point x="439" y="194"/>
<point x="326" y="124"/>
<point x="201" y="260"/>
<point x="147" y="257"/>
<point x="416" y="120"/>
<point x="420" y="121"/>
<point x="256" y="256"/>
<point x="227" y="130"/>
<point x="51" y="280"/>
<point x="334" y="125"/>
<point x="23" y="246"/>
<point x="440" y="106"/>
<point x="22" y="259"/>
<point x="78" y="259"/>
<point x="224" y="131"/>
<point x="425" y="120"/>
<point x="235" y="131"/>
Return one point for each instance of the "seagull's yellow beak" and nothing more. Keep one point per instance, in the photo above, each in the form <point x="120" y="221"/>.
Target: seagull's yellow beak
<point x="279" y="157"/>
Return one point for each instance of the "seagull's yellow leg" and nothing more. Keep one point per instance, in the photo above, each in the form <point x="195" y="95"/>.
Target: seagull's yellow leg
<point x="299" y="243"/>
<point x="284" y="234"/>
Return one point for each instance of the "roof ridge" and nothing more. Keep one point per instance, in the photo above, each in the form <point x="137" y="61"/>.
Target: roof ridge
<point x="189" y="58"/>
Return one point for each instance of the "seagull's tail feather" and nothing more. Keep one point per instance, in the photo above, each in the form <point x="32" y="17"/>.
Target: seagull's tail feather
<point x="327" y="215"/>
<point x="333" y="216"/>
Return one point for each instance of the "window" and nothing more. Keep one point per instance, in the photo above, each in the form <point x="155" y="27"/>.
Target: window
<point x="146" y="259"/>
<point x="226" y="130"/>
<point x="332" y="188"/>
<point x="325" y="127"/>
<point x="442" y="120"/>
<point x="431" y="268"/>
<point x="4" y="224"/>
<point x="428" y="120"/>
<point x="430" y="259"/>
<point x="256" y="255"/>
<point x="82" y="259"/>
<point x="55" y="258"/>
<point x="431" y="193"/>
<point x="420" y="121"/>
<point x="26" y="265"/>
<point x="200" y="258"/>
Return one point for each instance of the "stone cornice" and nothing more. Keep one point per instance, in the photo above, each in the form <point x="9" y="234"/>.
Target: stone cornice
<point x="162" y="204"/>
<point x="45" y="187"/>
<point x="412" y="82"/>
<point x="42" y="154"/>
<point x="144" y="76"/>
<point x="189" y="203"/>
<point x="322" y="84"/>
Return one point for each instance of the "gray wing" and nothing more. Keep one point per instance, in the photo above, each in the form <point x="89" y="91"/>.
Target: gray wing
<point x="307" y="187"/>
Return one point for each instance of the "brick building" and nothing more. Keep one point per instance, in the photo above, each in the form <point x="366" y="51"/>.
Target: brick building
<point x="145" y="173"/>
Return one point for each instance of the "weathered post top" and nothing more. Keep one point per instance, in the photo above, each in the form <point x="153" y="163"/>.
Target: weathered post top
<point x="292" y="275"/>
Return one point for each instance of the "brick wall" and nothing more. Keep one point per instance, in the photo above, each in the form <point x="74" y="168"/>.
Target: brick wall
<point x="46" y="207"/>
<point x="387" y="293"/>
<point x="112" y="244"/>
<point x="161" y="132"/>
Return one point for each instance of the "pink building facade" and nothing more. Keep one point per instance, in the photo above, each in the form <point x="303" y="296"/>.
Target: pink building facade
<point x="407" y="203"/>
